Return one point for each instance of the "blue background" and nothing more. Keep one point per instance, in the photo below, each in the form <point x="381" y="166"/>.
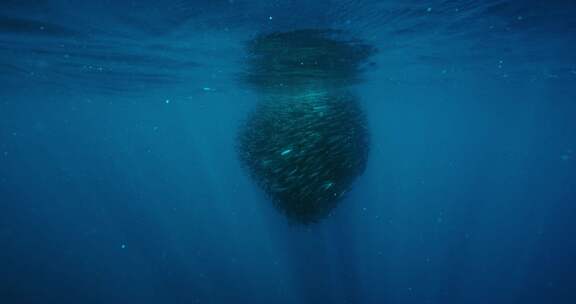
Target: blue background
<point x="120" y="183"/>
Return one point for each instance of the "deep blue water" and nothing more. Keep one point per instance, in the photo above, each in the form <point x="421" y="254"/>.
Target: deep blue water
<point x="120" y="181"/>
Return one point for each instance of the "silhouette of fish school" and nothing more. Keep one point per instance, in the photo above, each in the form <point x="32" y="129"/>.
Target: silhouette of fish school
<point x="307" y="140"/>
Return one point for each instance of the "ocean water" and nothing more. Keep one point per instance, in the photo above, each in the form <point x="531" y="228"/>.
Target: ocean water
<point x="120" y="180"/>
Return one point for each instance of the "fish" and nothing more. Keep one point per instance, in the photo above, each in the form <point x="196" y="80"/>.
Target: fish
<point x="307" y="139"/>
